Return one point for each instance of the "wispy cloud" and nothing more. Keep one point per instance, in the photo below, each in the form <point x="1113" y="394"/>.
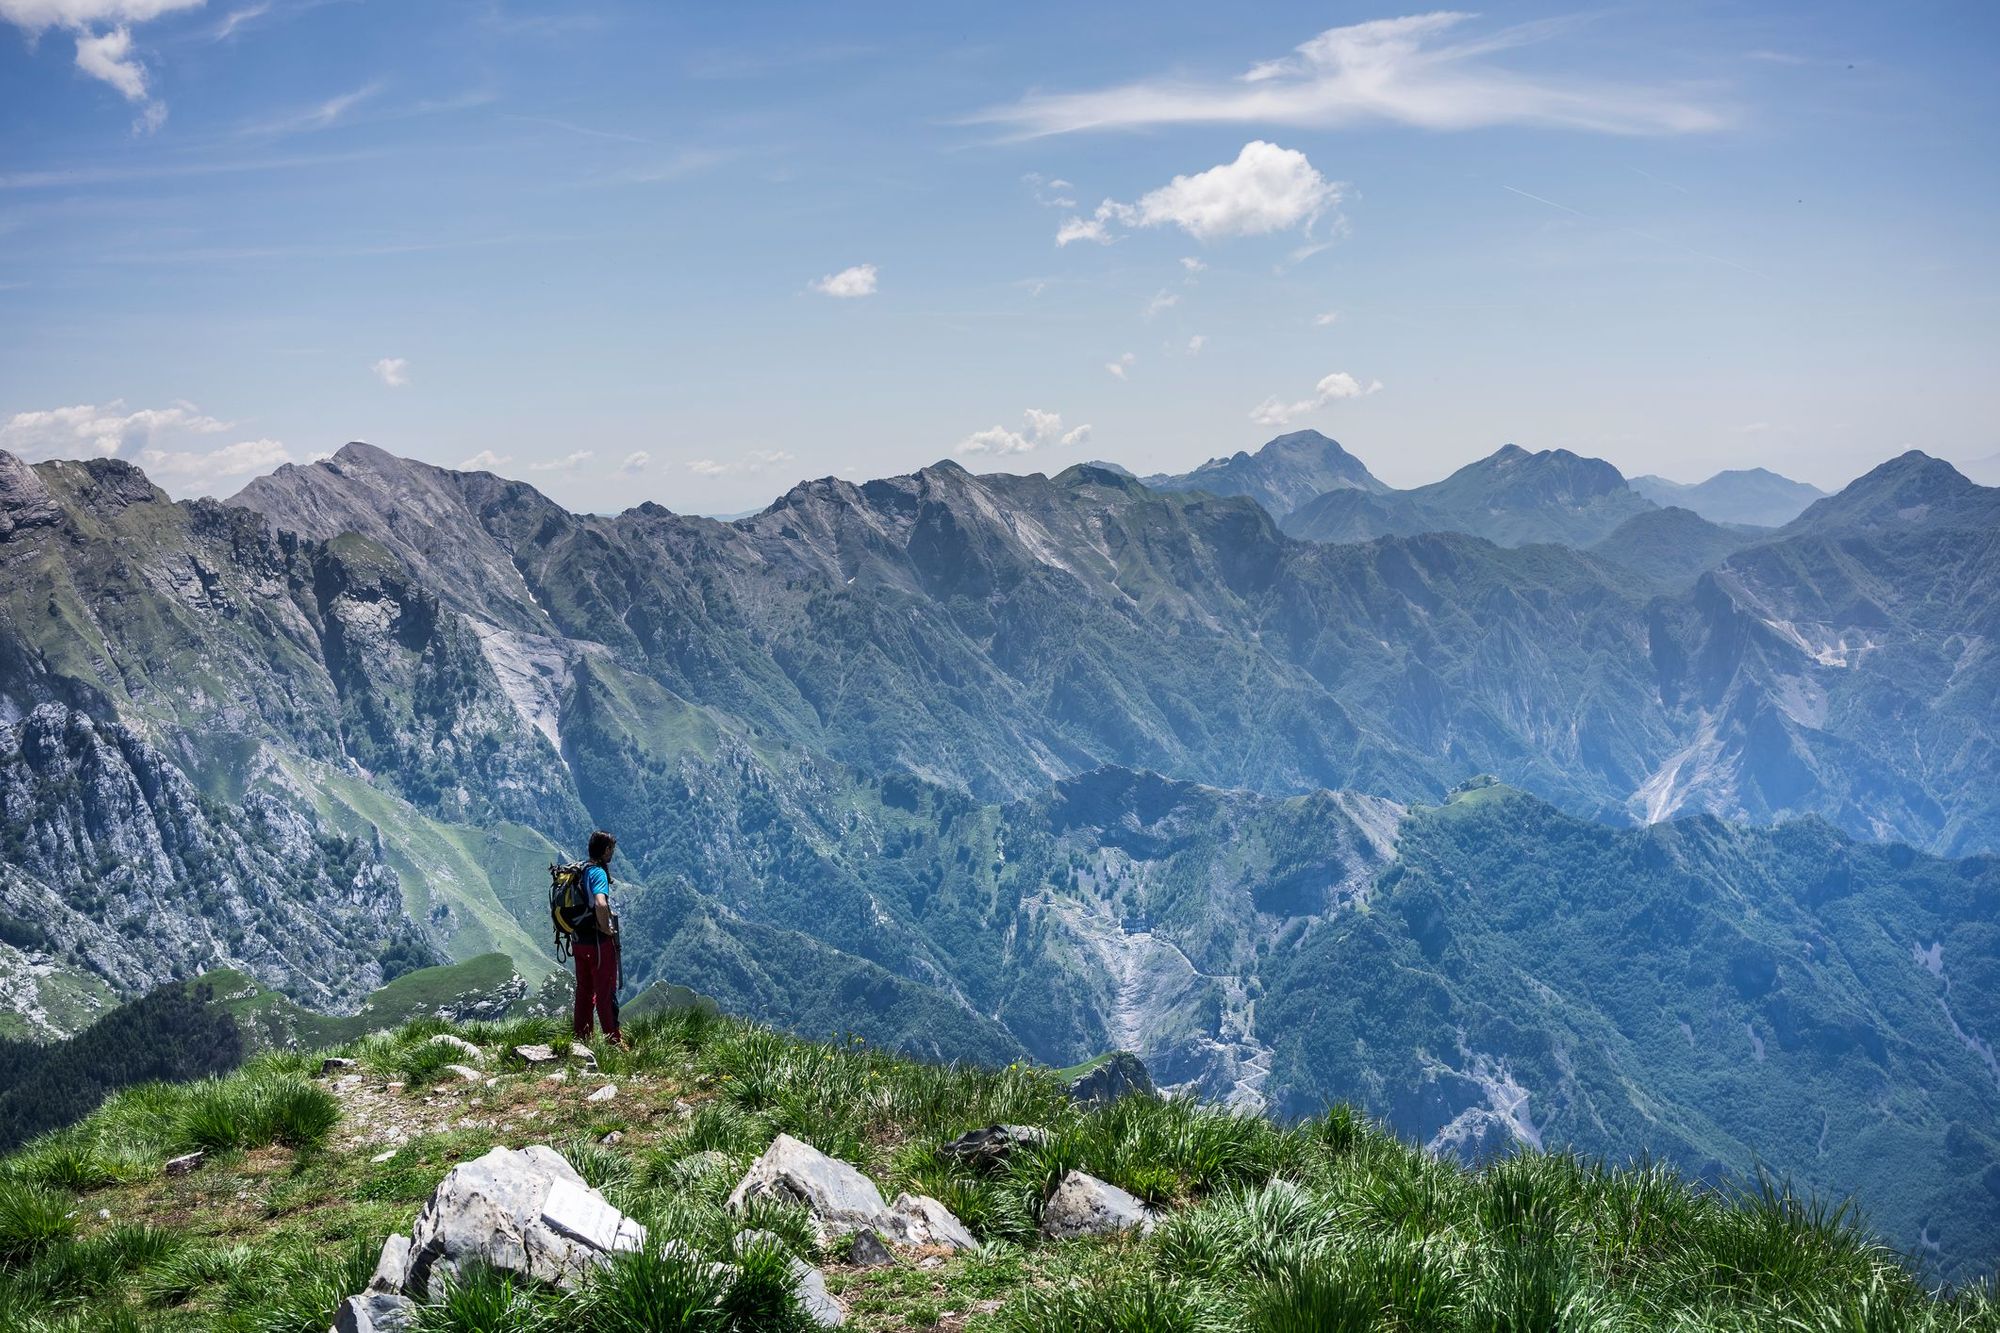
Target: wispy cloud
<point x="319" y="116"/>
<point x="61" y="178"/>
<point x="236" y="18"/>
<point x="485" y="461"/>
<point x="1412" y="70"/>
<point x="570" y="127"/>
<point x="635" y="462"/>
<point x="1040" y="430"/>
<point x="393" y="371"/>
<point x="1116" y="369"/>
<point x="567" y="463"/>
<point x="757" y="460"/>
<point x="1162" y="301"/>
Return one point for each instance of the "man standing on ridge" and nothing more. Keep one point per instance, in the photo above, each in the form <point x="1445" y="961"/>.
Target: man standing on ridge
<point x="597" y="949"/>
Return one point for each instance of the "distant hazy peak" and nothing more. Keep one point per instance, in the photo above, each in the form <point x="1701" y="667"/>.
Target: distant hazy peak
<point x="1756" y="496"/>
<point x="1288" y="472"/>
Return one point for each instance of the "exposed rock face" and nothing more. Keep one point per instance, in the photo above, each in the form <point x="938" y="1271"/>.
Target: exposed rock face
<point x="525" y="1211"/>
<point x="1083" y="1205"/>
<point x="1121" y="1074"/>
<point x="843" y="1202"/>
<point x="919" y="1220"/>
<point x="840" y="1199"/>
<point x="139" y="879"/>
<point x="375" y="1312"/>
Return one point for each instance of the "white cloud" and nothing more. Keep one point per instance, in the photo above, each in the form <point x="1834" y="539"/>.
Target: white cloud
<point x="1083" y="229"/>
<point x="1191" y="264"/>
<point x="485" y="461"/>
<point x="635" y="461"/>
<point x="40" y="15"/>
<point x="757" y="460"/>
<point x="1121" y="365"/>
<point x="1050" y="193"/>
<point x="393" y="371"/>
<point x="318" y="116"/>
<point x="105" y="55"/>
<point x="1042" y="430"/>
<point x="108" y="56"/>
<point x="567" y="463"/>
<point x="107" y="431"/>
<point x="1331" y="388"/>
<point x="1163" y="300"/>
<point x="199" y="471"/>
<point x="1266" y="189"/>
<point x="1196" y="343"/>
<point x="1408" y="71"/>
<point x="849" y="282"/>
<point x="1325" y="318"/>
<point x="236" y="18"/>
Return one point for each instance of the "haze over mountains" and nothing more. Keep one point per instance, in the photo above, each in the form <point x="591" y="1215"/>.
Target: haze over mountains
<point x="990" y="765"/>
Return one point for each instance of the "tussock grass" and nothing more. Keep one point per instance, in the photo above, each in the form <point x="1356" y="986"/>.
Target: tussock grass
<point x="1330" y="1224"/>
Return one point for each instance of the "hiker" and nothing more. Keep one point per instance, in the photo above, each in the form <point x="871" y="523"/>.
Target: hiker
<point x="596" y="946"/>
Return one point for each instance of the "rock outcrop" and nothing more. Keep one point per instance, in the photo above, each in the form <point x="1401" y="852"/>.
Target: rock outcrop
<point x="843" y="1202"/>
<point x="1117" y="1075"/>
<point x="522" y="1211"/>
<point x="989" y="1149"/>
<point x="1083" y="1205"/>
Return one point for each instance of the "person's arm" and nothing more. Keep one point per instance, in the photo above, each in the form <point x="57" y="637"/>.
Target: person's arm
<point x="600" y="899"/>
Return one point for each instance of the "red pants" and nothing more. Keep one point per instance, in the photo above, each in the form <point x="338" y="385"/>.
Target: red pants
<point x="596" y="983"/>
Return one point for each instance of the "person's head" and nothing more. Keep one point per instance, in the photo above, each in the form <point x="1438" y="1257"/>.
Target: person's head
<point x="602" y="845"/>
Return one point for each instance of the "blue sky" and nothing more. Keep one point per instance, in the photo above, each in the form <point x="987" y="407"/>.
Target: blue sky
<point x="694" y="254"/>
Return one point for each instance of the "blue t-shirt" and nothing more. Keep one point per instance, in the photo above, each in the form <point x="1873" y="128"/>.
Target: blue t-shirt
<point x="596" y="881"/>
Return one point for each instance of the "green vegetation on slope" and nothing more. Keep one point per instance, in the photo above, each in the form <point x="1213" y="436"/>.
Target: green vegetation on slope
<point x="1329" y="1224"/>
<point x="1738" y="996"/>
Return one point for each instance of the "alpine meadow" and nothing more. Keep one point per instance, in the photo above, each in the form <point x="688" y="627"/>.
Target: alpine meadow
<point x="686" y="827"/>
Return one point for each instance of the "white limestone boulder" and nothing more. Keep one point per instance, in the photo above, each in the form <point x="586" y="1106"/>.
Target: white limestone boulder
<point x="1083" y="1205"/>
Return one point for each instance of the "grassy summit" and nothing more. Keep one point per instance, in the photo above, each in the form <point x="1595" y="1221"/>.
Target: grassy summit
<point x="1327" y="1224"/>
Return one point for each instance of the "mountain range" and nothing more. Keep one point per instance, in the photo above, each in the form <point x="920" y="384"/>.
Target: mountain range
<point x="994" y="765"/>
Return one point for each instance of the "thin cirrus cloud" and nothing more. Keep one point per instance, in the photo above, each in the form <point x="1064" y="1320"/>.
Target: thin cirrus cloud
<point x="1415" y="70"/>
<point x="104" y="46"/>
<point x="1040" y="430"/>
<point x="849" y="282"/>
<point x="567" y="463"/>
<point x="1266" y="189"/>
<point x="1332" y="388"/>
<point x="757" y="460"/>
<point x="319" y="116"/>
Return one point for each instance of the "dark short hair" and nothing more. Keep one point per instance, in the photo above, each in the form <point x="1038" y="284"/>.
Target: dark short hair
<point x="602" y="844"/>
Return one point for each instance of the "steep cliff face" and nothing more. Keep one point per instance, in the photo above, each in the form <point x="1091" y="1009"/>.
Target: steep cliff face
<point x="113" y="866"/>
